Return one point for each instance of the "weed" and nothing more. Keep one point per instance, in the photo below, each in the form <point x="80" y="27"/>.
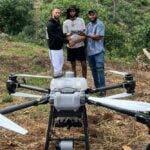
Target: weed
<point x="7" y="98"/>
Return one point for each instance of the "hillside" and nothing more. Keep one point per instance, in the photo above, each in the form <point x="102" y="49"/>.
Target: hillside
<point x="127" y="21"/>
<point x="108" y="130"/>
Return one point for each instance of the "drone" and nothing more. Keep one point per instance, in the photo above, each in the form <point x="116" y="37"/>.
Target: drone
<point x="68" y="97"/>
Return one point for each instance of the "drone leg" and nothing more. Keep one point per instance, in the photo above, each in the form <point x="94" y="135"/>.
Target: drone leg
<point x="50" y="122"/>
<point x="85" y="122"/>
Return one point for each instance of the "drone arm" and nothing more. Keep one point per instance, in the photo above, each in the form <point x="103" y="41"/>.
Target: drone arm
<point x="144" y="119"/>
<point x="106" y="88"/>
<point x="18" y="107"/>
<point x="34" y="88"/>
<point x="10" y="109"/>
<point x="128" y="84"/>
<point x="12" y="84"/>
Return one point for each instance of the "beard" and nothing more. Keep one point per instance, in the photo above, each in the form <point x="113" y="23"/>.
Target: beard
<point x="93" y="21"/>
<point x="73" y="16"/>
<point x="56" y="18"/>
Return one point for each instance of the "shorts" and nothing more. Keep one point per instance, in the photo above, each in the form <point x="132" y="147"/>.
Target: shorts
<point x="74" y="54"/>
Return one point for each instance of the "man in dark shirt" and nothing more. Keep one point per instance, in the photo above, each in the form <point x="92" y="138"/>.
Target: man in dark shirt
<point x="56" y="38"/>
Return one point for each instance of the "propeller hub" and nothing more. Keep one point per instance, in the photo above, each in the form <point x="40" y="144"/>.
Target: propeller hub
<point x="11" y="84"/>
<point x="129" y="83"/>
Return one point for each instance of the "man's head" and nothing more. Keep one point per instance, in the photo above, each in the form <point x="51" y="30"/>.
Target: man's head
<point x="92" y="15"/>
<point x="72" y="12"/>
<point x="56" y="12"/>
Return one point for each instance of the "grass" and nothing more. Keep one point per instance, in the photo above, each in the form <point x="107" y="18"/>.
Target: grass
<point x="7" y="98"/>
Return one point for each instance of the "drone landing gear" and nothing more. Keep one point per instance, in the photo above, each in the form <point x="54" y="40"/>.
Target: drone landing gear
<point x="81" y="113"/>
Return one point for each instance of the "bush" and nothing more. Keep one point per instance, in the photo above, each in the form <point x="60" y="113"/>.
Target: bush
<point x="14" y="15"/>
<point x="115" y="40"/>
<point x="27" y="34"/>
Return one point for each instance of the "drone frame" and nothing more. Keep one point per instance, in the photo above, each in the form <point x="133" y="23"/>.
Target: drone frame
<point x="128" y="84"/>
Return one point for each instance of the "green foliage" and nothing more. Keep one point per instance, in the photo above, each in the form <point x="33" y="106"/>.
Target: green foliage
<point x="115" y="40"/>
<point x="132" y="18"/>
<point x="127" y="22"/>
<point x="14" y="15"/>
<point x="28" y="33"/>
<point x="141" y="36"/>
<point x="7" y="98"/>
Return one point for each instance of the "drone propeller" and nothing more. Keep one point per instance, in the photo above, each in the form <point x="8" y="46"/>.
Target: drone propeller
<point x="10" y="125"/>
<point x="33" y="76"/>
<point x="118" y="72"/>
<point x="20" y="94"/>
<point x="121" y="95"/>
<point x="118" y="104"/>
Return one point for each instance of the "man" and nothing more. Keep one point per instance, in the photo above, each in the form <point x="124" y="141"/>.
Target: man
<point x="95" y="31"/>
<point x="75" y="49"/>
<point x="56" y="38"/>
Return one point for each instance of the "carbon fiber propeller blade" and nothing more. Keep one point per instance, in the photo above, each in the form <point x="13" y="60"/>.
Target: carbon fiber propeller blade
<point x="20" y="94"/>
<point x="137" y="106"/>
<point x="10" y="125"/>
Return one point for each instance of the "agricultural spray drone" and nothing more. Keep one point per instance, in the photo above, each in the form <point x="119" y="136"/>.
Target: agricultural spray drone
<point x="68" y="97"/>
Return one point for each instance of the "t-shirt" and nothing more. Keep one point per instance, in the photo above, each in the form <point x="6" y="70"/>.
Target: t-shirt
<point x="74" y="27"/>
<point x="95" y="46"/>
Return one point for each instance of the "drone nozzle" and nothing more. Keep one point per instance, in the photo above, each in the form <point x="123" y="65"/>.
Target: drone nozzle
<point x="11" y="84"/>
<point x="129" y="83"/>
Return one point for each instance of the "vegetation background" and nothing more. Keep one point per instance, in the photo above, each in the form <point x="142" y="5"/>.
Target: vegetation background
<point x="127" y="21"/>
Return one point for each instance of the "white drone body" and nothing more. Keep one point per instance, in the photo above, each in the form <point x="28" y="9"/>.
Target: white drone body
<point x="68" y="93"/>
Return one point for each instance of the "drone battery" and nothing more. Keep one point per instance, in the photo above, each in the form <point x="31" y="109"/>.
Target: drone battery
<point x="67" y="101"/>
<point x="65" y="145"/>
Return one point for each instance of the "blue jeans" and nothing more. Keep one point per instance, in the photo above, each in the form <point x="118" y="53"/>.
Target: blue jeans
<point x="96" y="63"/>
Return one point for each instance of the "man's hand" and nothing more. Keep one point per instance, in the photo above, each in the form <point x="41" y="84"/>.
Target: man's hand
<point x="68" y="38"/>
<point x="81" y="33"/>
<point x="71" y="43"/>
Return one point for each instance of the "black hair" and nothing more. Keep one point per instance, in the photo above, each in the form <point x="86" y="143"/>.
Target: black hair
<point x="72" y="7"/>
<point x="92" y="11"/>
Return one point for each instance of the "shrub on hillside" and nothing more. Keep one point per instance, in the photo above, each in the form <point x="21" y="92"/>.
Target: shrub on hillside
<point x="14" y="15"/>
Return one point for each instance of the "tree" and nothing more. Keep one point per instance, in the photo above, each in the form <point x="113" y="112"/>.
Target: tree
<point x="14" y="15"/>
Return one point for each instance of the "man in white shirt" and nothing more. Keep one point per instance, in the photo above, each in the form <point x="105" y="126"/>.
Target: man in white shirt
<point x="75" y="48"/>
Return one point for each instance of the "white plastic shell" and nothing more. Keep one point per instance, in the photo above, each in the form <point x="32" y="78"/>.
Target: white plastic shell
<point x="77" y="83"/>
<point x="66" y="145"/>
<point x="67" y="101"/>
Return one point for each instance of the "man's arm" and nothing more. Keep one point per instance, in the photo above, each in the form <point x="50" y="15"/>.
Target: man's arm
<point x="98" y="35"/>
<point x="94" y="37"/>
